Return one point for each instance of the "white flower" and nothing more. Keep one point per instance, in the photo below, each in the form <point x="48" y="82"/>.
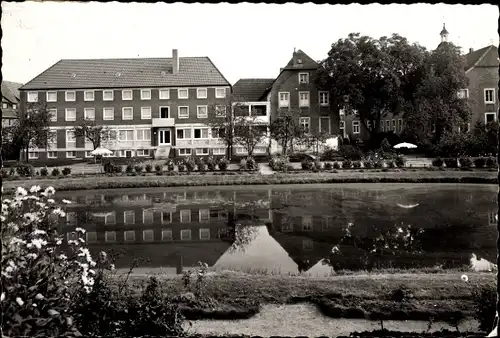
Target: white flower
<point x="39" y="232"/>
<point x="66" y="201"/>
<point x="35" y="188"/>
<point x="50" y="191"/>
<point x="19" y="301"/>
<point x="335" y="249"/>
<point x="20" y="191"/>
<point x="62" y="256"/>
<point x="38" y="243"/>
<point x="59" y="212"/>
<point x="465" y="278"/>
<point x="34" y="305"/>
<point x="80" y="230"/>
<point x="50" y="200"/>
<point x="59" y="242"/>
<point x="111" y="267"/>
<point x="2" y="297"/>
<point x="84" y="252"/>
<point x="53" y="312"/>
<point x="39" y="296"/>
<point x="3" y="218"/>
<point x="32" y="255"/>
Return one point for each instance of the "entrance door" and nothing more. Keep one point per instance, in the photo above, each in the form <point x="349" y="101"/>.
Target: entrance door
<point x="164" y="137"/>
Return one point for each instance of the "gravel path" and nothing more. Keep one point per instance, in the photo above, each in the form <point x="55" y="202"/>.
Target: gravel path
<point x="306" y="320"/>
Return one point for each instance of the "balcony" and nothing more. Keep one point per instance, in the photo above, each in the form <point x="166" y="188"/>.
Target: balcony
<point x="162" y="122"/>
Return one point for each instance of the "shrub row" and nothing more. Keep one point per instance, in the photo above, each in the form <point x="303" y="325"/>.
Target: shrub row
<point x="465" y="162"/>
<point x="27" y="170"/>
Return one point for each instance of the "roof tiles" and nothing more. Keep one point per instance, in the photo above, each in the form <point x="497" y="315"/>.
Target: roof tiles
<point x="251" y="89"/>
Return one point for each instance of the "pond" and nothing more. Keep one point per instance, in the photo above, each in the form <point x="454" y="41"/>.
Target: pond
<point x="293" y="229"/>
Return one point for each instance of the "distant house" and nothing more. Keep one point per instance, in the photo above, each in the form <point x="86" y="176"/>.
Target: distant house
<point x="157" y="106"/>
<point x="10" y="102"/>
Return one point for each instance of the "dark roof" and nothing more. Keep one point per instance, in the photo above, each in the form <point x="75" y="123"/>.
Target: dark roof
<point x="484" y="57"/>
<point x="305" y="61"/>
<point x="251" y="89"/>
<point x="123" y="73"/>
<point x="10" y="91"/>
<point x="444" y="31"/>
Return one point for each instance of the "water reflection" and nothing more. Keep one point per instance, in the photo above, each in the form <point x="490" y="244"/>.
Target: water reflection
<point x="312" y="229"/>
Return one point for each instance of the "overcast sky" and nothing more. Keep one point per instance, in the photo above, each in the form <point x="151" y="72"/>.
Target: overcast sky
<point x="243" y="40"/>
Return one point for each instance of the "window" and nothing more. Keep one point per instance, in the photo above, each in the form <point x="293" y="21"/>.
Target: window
<point x="166" y="234"/>
<point x="382" y="126"/>
<point x="14" y="106"/>
<point x="32" y="155"/>
<point x="287" y="227"/>
<point x="70" y="96"/>
<point x="202" y="112"/>
<point x="201" y="133"/>
<point x="185" y="235"/>
<point x="324" y="98"/>
<point x="89" y="95"/>
<point x="147" y="216"/>
<point x="107" y="95"/>
<point x="164" y="112"/>
<point x="143" y="134"/>
<point x="220" y="93"/>
<point x="185" y="216"/>
<point x="489" y="95"/>
<point x="342" y="125"/>
<point x="394" y="125"/>
<point x="184" y="112"/>
<point x="307" y="244"/>
<point x="202" y="151"/>
<point x="53" y="114"/>
<point x="493" y="218"/>
<point x="324" y="124"/>
<point x="307" y="223"/>
<point x="51" y="96"/>
<point x="129" y="217"/>
<point x="125" y="135"/>
<point x="204" y="215"/>
<point x="304" y="99"/>
<point x="184" y="151"/>
<point x="148" y="235"/>
<point x="110" y="236"/>
<point x="201" y="93"/>
<point x="220" y="111"/>
<point x="387" y="125"/>
<point x="205" y="234"/>
<point x="400" y="125"/>
<point x="145" y="94"/>
<point x="355" y="127"/>
<point x="32" y="96"/>
<point x="219" y="151"/>
<point x="463" y="94"/>
<point x="182" y="93"/>
<point x="369" y="125"/>
<point x="304" y="123"/>
<point x="218" y="133"/>
<point x="5" y="105"/>
<point x="145" y="113"/>
<point x="91" y="236"/>
<point x="70" y="154"/>
<point x="108" y="114"/>
<point x="110" y="218"/>
<point x="52" y="154"/>
<point x="127" y="94"/>
<point x="88" y="153"/>
<point x="143" y="152"/>
<point x="183" y="133"/>
<point x="490" y="117"/>
<point x="303" y="78"/>
<point x="284" y="99"/>
<point x="129" y="236"/>
<point x="70" y="139"/>
<point x="164" y="94"/>
<point x="127" y="113"/>
<point x="70" y="114"/>
<point x="71" y="218"/>
<point x="166" y="217"/>
<point x="89" y="113"/>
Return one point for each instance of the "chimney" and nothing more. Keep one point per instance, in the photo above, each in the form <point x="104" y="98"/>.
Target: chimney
<point x="471" y="50"/>
<point x="175" y="62"/>
<point x="294" y="57"/>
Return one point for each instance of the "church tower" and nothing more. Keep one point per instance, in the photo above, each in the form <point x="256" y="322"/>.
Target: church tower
<point x="444" y="34"/>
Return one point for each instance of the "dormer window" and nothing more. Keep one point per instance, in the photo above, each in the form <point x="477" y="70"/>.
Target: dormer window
<point x="303" y="78"/>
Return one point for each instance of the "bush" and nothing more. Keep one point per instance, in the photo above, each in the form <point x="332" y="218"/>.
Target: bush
<point x="451" y="162"/>
<point x="465" y="162"/>
<point x="25" y="170"/>
<point x="346" y="164"/>
<point x="437" y="162"/>
<point x="328" y="165"/>
<point x="138" y="168"/>
<point x="44" y="171"/>
<point x="223" y="163"/>
<point x="491" y="162"/>
<point x="5" y="173"/>
<point x="485" y="301"/>
<point x="336" y="165"/>
<point x="279" y="162"/>
<point x="182" y="167"/>
<point x="307" y="164"/>
<point x="117" y="169"/>
<point x="330" y="154"/>
<point x="170" y="165"/>
<point x="356" y="164"/>
<point x="158" y="168"/>
<point x="211" y="163"/>
<point x="350" y="152"/>
<point x="390" y="164"/>
<point x="129" y="169"/>
<point x="190" y="163"/>
<point x="56" y="172"/>
<point x="400" y="161"/>
<point x="368" y="164"/>
<point x="480" y="162"/>
<point x="252" y="164"/>
<point x="378" y="163"/>
<point x="149" y="168"/>
<point x="66" y="171"/>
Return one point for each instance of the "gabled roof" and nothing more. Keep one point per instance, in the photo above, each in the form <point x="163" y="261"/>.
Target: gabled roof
<point x="128" y="73"/>
<point x="484" y="57"/>
<point x="10" y="91"/>
<point x="251" y="89"/>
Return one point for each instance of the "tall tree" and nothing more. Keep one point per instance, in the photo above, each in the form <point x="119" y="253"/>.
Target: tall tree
<point x="436" y="108"/>
<point x="369" y="76"/>
<point x="31" y="129"/>
<point x="314" y="140"/>
<point x="248" y="132"/>
<point x="285" y="128"/>
<point x="94" y="133"/>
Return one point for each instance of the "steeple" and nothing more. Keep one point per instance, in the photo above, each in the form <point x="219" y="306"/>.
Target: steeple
<point x="444" y="34"/>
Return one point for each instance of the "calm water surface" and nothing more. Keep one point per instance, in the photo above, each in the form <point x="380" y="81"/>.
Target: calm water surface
<point x="311" y="229"/>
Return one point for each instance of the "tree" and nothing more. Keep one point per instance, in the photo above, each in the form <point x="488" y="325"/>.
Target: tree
<point x="315" y="139"/>
<point x="485" y="138"/>
<point x="94" y="133"/>
<point x="436" y="109"/>
<point x="285" y="128"/>
<point x="371" y="77"/>
<point x="31" y="129"/>
<point x="248" y="132"/>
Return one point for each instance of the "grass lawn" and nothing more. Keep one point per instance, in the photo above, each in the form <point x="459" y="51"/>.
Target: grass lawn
<point x="344" y="176"/>
<point x="235" y="295"/>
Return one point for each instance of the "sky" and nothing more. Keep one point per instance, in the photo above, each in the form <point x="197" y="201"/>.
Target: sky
<point x="243" y="40"/>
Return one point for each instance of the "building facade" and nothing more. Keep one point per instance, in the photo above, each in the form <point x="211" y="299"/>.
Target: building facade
<point x="155" y="106"/>
<point x="10" y="102"/>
